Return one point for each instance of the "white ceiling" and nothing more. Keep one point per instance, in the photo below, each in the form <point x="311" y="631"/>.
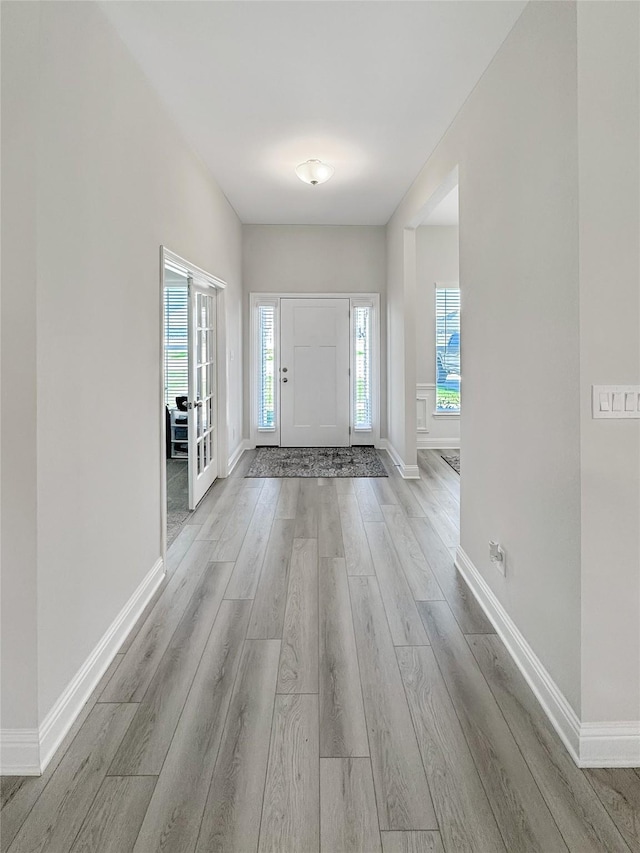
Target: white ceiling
<point x="258" y="87"/>
<point x="446" y="213"/>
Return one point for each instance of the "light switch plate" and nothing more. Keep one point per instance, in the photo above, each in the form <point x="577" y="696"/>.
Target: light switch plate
<point x="615" y="401"/>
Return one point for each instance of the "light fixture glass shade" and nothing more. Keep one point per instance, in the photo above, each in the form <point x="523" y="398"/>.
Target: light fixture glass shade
<point x="314" y="172"/>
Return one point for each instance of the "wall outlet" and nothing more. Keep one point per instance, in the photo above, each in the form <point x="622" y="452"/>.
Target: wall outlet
<point x="498" y="557"/>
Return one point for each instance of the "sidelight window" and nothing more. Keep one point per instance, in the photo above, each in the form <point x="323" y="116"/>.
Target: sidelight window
<point x="447" y="349"/>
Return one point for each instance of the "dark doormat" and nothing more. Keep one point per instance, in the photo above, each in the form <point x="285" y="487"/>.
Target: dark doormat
<point x="316" y="462"/>
<point x="453" y="460"/>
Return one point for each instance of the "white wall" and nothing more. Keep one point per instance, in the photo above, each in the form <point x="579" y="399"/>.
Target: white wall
<point x="515" y="145"/>
<point x="547" y="155"/>
<point x="609" y="123"/>
<point x="114" y="180"/>
<point x="310" y="259"/>
<point x="436" y="263"/>
<point x="19" y="695"/>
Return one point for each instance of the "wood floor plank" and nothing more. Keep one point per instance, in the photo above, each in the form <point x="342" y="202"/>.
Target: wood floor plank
<point x="19" y="796"/>
<point x="449" y="504"/>
<point x="581" y="818"/>
<point x="173" y="818"/>
<point x="147" y="741"/>
<point x="307" y="511"/>
<point x="468" y="613"/>
<point x="385" y="495"/>
<point x="215" y="522"/>
<point x="344" y="486"/>
<point x="442" y="471"/>
<point x="367" y="501"/>
<point x="288" y="500"/>
<point x="246" y="572"/>
<point x="415" y="842"/>
<point x="114" y="819"/>
<point x="232" y="813"/>
<point x="464" y="815"/>
<point x="9" y="788"/>
<point x="356" y="547"/>
<point x="330" y="542"/>
<point x="522" y="814"/>
<point x="348" y="817"/>
<point x="298" y="669"/>
<point x="290" y="812"/>
<point x="179" y="547"/>
<point x="423" y="585"/>
<point x="242" y="466"/>
<point x="342" y="724"/>
<point x="202" y="512"/>
<point x="133" y="676"/>
<point x="140" y="621"/>
<point x="402" y="792"/>
<point x="228" y="546"/>
<point x="267" y="615"/>
<point x="433" y="510"/>
<point x="399" y="604"/>
<point x="406" y="498"/>
<point x="618" y="788"/>
<point x="65" y="801"/>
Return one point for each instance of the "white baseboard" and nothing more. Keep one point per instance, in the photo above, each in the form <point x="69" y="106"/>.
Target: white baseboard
<point x="614" y="744"/>
<point x="409" y="472"/>
<point x="19" y="752"/>
<point x="27" y="752"/>
<point x="437" y="443"/>
<point x="610" y="744"/>
<point x="235" y="457"/>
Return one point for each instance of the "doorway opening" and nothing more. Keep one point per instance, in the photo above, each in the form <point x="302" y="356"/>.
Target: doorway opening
<point x="315" y="370"/>
<point x="438" y="333"/>
<point x="191" y="404"/>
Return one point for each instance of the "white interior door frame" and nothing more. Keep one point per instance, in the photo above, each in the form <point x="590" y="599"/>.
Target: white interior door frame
<point x="171" y="261"/>
<point x="272" y="436"/>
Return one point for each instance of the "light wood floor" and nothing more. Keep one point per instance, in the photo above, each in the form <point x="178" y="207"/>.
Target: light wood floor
<point x="314" y="675"/>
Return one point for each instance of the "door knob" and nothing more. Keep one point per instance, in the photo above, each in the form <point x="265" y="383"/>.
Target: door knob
<point x="285" y="379"/>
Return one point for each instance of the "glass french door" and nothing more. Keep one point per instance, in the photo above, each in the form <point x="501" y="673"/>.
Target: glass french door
<point x="202" y="406"/>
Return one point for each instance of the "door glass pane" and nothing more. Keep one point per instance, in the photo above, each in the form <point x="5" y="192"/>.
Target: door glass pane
<point x="176" y="364"/>
<point x="202" y="382"/>
<point x="266" y="379"/>
<point x="363" y="409"/>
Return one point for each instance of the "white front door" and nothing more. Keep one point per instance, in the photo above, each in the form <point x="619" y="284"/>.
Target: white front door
<point x="314" y="373"/>
<point x="202" y="406"/>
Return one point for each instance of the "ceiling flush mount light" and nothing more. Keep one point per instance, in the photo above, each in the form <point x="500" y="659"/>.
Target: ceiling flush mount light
<point x="314" y="172"/>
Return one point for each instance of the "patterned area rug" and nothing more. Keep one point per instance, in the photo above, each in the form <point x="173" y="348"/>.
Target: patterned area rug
<point x="316" y="462"/>
<point x="453" y="460"/>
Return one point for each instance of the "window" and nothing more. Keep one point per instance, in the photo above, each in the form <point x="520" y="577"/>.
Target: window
<point x="176" y="346"/>
<point x="266" y="356"/>
<point x="447" y="349"/>
<point x="362" y="406"/>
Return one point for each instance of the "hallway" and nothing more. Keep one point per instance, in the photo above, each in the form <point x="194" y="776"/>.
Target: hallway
<point x="314" y="674"/>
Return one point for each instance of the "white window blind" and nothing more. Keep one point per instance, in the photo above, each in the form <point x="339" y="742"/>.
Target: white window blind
<point x="266" y="355"/>
<point x="176" y="343"/>
<point x="447" y="349"/>
<point x="363" y="414"/>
